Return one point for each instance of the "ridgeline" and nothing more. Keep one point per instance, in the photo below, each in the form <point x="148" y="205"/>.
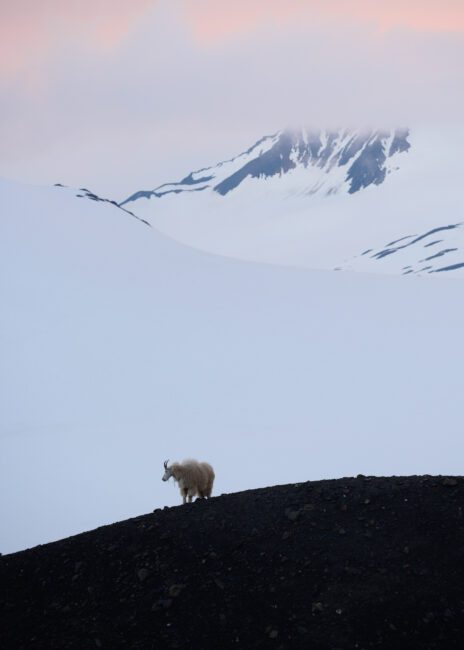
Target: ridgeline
<point x="353" y="563"/>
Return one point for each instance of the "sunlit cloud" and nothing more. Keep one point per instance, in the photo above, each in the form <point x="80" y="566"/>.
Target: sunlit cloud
<point x="32" y="31"/>
<point x="121" y="95"/>
<point x="213" y="21"/>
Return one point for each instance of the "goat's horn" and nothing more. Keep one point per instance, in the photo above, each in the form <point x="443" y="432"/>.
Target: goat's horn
<point x="166" y="463"/>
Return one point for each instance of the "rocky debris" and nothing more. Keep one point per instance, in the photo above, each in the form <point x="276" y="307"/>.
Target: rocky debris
<point x="353" y="563"/>
<point x="143" y="574"/>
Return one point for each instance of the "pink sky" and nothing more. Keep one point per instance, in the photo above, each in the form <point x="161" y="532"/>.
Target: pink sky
<point x="122" y="95"/>
<point x="214" y="20"/>
<point x="30" y="30"/>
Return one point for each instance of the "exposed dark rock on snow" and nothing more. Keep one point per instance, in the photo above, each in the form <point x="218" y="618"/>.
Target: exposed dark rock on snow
<point x="94" y="197"/>
<point x="414" y="246"/>
<point x="352" y="563"/>
<point x="362" y="155"/>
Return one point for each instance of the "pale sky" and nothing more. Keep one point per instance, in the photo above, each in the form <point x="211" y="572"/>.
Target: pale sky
<point x="121" y="96"/>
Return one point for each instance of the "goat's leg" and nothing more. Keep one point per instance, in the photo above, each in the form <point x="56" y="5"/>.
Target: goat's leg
<point x="184" y="495"/>
<point x="190" y="498"/>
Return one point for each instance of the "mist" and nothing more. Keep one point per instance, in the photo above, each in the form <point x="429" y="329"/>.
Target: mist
<point x="162" y="98"/>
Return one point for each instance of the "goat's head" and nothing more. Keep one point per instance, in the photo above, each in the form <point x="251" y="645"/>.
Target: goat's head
<point x="167" y="471"/>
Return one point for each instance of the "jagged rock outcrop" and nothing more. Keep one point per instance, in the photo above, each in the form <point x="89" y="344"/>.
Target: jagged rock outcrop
<point x="329" y="161"/>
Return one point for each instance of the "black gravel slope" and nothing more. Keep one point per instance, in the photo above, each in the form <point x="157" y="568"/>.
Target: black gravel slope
<point x="352" y="563"/>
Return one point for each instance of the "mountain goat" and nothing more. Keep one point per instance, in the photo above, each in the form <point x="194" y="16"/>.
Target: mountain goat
<point x="194" y="478"/>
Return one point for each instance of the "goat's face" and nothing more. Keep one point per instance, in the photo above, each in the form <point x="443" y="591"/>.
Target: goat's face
<point x="167" y="471"/>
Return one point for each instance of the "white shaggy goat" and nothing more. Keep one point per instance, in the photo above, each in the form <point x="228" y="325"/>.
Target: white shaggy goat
<point x="194" y="478"/>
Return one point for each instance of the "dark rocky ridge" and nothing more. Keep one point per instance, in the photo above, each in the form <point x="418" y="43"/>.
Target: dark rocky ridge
<point x="416" y="244"/>
<point x="363" y="155"/>
<point x="351" y="563"/>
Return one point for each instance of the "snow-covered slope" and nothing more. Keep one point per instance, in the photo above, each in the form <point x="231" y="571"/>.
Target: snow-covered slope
<point x="318" y="199"/>
<point x="84" y="193"/>
<point x="440" y="250"/>
<point x="121" y="348"/>
<point x="302" y="162"/>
